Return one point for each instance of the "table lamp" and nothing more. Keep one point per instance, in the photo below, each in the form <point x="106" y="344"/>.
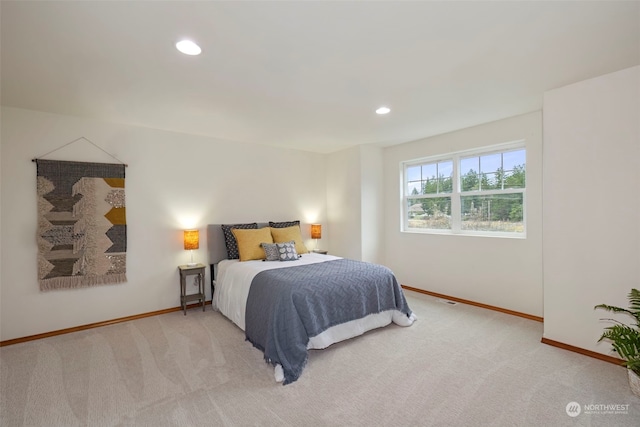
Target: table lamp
<point x="191" y="242"/>
<point x="316" y="233"/>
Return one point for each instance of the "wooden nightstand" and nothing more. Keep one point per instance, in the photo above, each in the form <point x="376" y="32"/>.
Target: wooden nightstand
<point x="195" y="270"/>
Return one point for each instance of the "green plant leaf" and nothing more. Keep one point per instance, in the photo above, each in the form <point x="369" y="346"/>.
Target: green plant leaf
<point x="625" y="339"/>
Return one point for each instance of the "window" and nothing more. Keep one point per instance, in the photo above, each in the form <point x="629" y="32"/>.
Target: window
<point x="475" y="192"/>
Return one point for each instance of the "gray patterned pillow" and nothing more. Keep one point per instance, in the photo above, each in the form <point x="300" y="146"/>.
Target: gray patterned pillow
<point x="283" y="224"/>
<point x="230" y="240"/>
<point x="270" y="251"/>
<point x="287" y="251"/>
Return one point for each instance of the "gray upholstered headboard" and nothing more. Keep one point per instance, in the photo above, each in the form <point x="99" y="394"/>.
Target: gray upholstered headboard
<point x="215" y="243"/>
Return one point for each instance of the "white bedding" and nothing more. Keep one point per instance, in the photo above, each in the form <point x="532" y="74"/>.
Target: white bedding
<point x="232" y="286"/>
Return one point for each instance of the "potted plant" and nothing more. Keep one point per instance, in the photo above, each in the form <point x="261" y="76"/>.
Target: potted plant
<point x="625" y="339"/>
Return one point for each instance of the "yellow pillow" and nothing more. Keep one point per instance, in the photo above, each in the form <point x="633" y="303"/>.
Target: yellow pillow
<point x="283" y="235"/>
<point x="249" y="242"/>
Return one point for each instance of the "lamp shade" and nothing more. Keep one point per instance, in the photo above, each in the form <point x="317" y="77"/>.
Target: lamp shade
<point x="191" y="239"/>
<point x="316" y="231"/>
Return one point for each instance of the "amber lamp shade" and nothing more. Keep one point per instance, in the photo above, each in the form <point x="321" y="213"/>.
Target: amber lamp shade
<point x="191" y="242"/>
<point x="191" y="239"/>
<point x="316" y="231"/>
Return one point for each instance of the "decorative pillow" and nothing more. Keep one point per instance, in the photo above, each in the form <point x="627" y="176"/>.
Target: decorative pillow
<point x="230" y="239"/>
<point x="270" y="251"/>
<point x="249" y="242"/>
<point x="282" y="235"/>
<point x="287" y="251"/>
<point x="284" y="224"/>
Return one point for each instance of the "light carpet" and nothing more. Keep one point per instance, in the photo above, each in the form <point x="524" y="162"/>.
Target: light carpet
<point x="458" y="365"/>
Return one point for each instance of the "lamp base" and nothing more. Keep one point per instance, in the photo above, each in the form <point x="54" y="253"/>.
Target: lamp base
<point x="191" y="264"/>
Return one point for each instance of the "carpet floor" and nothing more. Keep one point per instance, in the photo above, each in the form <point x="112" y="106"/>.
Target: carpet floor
<point x="458" y="365"/>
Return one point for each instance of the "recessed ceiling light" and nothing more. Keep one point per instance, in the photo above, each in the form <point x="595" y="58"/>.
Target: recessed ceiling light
<point x="383" y="110"/>
<point x="188" y="47"/>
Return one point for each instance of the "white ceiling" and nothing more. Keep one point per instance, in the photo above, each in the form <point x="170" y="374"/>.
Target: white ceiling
<point x="307" y="75"/>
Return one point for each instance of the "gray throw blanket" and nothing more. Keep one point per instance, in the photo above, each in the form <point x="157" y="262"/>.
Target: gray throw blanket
<point x="287" y="306"/>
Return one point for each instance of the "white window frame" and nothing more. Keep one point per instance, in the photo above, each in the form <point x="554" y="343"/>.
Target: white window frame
<point x="456" y="194"/>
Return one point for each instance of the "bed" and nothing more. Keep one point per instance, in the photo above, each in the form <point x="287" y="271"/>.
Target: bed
<point x="309" y="302"/>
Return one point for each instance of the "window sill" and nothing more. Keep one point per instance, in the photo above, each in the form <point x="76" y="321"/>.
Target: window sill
<point x="518" y="236"/>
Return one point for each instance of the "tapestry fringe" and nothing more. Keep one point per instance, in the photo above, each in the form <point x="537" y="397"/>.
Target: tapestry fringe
<point x="75" y="282"/>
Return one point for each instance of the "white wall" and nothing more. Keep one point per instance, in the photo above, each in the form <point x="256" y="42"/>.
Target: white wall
<point x="343" y="203"/>
<point x="591" y="204"/>
<point x="1" y="238"/>
<point x="173" y="181"/>
<point x="501" y="272"/>
<point x="355" y="201"/>
<point x="372" y="203"/>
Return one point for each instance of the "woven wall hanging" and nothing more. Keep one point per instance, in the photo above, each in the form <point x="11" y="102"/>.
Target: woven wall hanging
<point x="82" y="229"/>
